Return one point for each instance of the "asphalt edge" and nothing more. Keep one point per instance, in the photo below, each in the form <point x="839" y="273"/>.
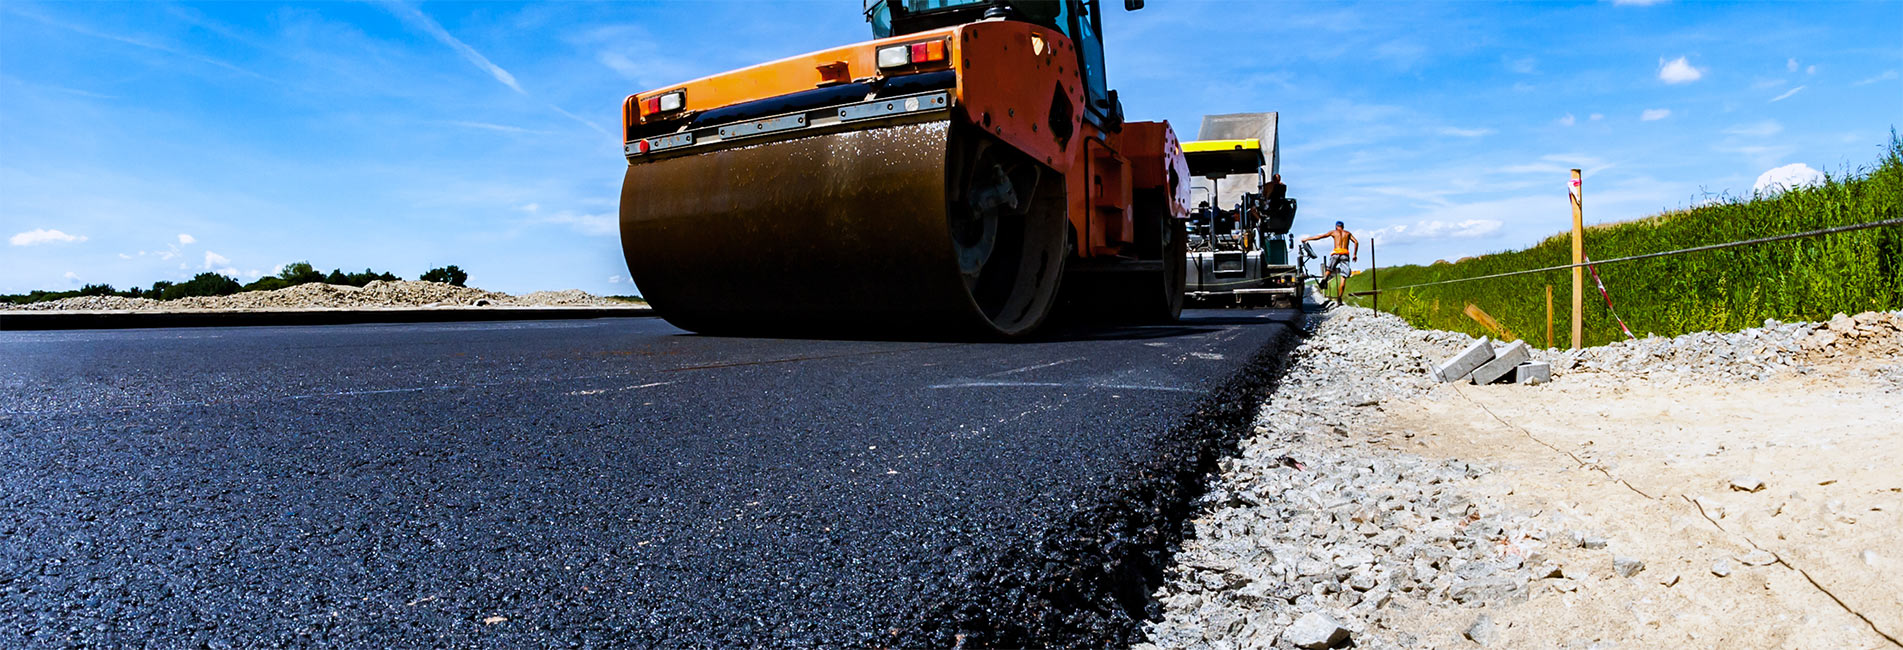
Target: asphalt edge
<point x="1087" y="583"/>
<point x="17" y="320"/>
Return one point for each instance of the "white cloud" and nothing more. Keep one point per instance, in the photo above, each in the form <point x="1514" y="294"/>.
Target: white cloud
<point x="1886" y="76"/>
<point x="1810" y="70"/>
<point x="606" y="223"/>
<point x="1766" y="128"/>
<point x="614" y="279"/>
<point x="416" y="18"/>
<point x="214" y="259"/>
<point x="43" y="236"/>
<point x="186" y="239"/>
<point x="1435" y="229"/>
<point x="1522" y="65"/>
<point x="1465" y="133"/>
<point x="1790" y="176"/>
<point x="1787" y="94"/>
<point x="1568" y="120"/>
<point x="72" y="276"/>
<point x="124" y="256"/>
<point x="1596" y="117"/>
<point x="1652" y="114"/>
<point x="1678" y="71"/>
<point x="1791" y="65"/>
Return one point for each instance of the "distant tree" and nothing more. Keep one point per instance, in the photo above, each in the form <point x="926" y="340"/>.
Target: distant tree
<point x="300" y="273"/>
<point x="448" y="274"/>
<point x="158" y="290"/>
<point x="204" y="284"/>
<point x="337" y="277"/>
<point x="97" y="290"/>
<point x="267" y="283"/>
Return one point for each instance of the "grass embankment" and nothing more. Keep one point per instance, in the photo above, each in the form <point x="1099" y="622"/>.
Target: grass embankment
<point x="1726" y="290"/>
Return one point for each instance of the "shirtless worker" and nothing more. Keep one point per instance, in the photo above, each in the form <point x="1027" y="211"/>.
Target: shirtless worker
<point x="1337" y="261"/>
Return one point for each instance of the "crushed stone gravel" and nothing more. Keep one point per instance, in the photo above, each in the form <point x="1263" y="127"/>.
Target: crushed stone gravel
<point x="317" y="295"/>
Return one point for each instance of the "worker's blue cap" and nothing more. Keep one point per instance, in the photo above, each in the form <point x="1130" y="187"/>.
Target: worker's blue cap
<point x="1339" y="224"/>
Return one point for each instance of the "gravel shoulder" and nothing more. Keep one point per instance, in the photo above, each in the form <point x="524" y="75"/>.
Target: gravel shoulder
<point x="1714" y="490"/>
<point x="402" y="294"/>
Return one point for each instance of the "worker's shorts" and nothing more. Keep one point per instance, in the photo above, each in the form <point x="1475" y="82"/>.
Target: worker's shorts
<point x="1336" y="264"/>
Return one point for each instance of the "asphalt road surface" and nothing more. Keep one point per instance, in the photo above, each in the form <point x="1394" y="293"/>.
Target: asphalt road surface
<point x="595" y="483"/>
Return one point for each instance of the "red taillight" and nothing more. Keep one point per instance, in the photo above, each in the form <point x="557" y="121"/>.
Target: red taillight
<point x="928" y="51"/>
<point x="650" y="105"/>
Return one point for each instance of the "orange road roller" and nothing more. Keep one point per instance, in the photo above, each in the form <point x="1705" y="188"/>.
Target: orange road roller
<point x="968" y="171"/>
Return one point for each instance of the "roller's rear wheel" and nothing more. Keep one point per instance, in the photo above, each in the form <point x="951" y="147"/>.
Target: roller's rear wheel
<point x="1150" y="293"/>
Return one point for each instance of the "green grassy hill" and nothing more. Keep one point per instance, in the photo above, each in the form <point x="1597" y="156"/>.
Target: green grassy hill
<point x="1726" y="290"/>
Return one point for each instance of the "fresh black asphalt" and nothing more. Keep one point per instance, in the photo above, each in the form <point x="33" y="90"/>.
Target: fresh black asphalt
<point x="604" y="483"/>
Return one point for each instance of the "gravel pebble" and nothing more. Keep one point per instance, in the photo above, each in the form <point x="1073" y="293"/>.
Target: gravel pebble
<point x="318" y="295"/>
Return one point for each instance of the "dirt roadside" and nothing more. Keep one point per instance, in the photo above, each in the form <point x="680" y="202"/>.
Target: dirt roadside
<point x="1657" y="495"/>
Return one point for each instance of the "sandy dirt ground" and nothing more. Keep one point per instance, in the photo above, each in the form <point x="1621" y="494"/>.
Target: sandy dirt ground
<point x="1714" y="490"/>
<point x="1767" y="514"/>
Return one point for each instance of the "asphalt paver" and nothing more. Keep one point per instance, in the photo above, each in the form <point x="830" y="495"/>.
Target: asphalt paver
<point x="605" y="483"/>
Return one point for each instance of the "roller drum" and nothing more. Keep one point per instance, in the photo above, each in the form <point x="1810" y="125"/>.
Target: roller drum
<point x="854" y="231"/>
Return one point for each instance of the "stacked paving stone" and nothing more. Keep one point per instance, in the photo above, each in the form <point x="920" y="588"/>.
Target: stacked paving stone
<point x="1483" y="363"/>
<point x="317" y="295"/>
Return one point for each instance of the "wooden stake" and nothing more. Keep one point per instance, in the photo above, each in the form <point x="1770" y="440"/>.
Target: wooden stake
<point x="1486" y="320"/>
<point x="1549" y="316"/>
<point x="1374" y="274"/>
<point x="1577" y="194"/>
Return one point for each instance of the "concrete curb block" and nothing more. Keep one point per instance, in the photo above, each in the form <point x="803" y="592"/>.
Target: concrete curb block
<point x="84" y="320"/>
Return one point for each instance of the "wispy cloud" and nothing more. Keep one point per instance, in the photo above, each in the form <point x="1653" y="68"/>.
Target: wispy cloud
<point x="1757" y="129"/>
<point x="1568" y="120"/>
<point x="1678" y="71"/>
<point x="607" y="223"/>
<point x="186" y="239"/>
<point x="39" y="236"/>
<point x="137" y="42"/>
<point x="1791" y="65"/>
<point x="1654" y="114"/>
<point x="1465" y="133"/>
<point x="500" y="128"/>
<point x="578" y="118"/>
<point x="416" y="18"/>
<point x="1886" y="76"/>
<point x="1787" y="94"/>
<point x="1435" y="229"/>
<point x="1522" y="65"/>
<point x="214" y="259"/>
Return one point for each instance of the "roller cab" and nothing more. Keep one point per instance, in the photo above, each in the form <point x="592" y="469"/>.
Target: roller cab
<point x="949" y="175"/>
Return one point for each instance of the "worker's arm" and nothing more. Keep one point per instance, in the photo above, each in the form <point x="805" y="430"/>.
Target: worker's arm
<point x="1357" y="243"/>
<point x="1316" y="237"/>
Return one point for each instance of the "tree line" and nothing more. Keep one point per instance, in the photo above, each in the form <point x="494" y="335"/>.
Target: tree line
<point x="217" y="284"/>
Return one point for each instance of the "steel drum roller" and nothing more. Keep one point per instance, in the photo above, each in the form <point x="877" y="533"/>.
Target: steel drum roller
<point x="860" y="230"/>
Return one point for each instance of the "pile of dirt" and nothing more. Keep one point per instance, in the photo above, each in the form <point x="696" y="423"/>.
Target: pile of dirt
<point x="1711" y="490"/>
<point x="316" y="295"/>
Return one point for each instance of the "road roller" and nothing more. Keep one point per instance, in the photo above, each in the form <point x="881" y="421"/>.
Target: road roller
<point x="966" y="171"/>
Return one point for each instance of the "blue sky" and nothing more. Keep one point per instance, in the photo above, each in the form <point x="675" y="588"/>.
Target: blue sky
<point x="150" y="140"/>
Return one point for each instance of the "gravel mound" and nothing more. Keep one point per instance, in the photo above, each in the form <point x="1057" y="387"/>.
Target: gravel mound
<point x="1752" y="354"/>
<point x="317" y="295"/>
